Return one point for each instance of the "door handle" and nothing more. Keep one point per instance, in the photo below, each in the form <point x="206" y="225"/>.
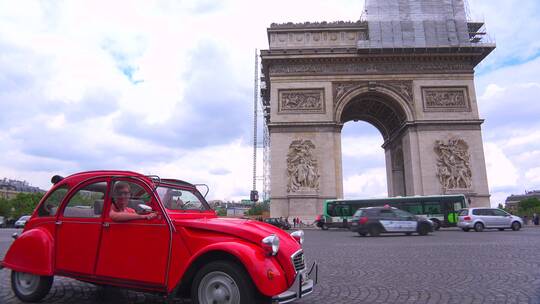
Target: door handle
<point x="58" y="222"/>
<point x="106" y="225"/>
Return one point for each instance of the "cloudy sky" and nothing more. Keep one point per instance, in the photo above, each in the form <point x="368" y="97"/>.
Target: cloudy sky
<point x="166" y="88"/>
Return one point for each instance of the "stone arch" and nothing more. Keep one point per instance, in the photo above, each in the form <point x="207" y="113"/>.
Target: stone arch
<point x="383" y="90"/>
<point x="378" y="105"/>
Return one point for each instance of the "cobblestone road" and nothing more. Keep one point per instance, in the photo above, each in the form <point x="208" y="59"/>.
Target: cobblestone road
<point x="445" y="267"/>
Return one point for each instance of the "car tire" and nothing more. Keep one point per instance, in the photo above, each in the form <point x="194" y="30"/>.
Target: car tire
<point x="30" y="287"/>
<point x="423" y="230"/>
<point x="220" y="281"/>
<point x="362" y="233"/>
<point x="324" y="227"/>
<point x="374" y="231"/>
<point x="465" y="229"/>
<point x="478" y="227"/>
<point x="516" y="226"/>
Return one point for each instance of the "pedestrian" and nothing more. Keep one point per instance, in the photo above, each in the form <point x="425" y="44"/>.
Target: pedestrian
<point x="536" y="219"/>
<point x="294" y="222"/>
<point x="525" y="220"/>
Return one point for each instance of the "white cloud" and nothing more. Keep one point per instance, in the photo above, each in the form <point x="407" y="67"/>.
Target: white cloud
<point x="533" y="176"/>
<point x="371" y="183"/>
<point x="501" y="171"/>
<point x="72" y="72"/>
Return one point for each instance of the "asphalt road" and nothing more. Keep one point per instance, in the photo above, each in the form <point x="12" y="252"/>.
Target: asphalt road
<point x="448" y="266"/>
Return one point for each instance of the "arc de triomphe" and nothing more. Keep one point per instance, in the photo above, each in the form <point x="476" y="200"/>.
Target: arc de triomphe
<point x="408" y="69"/>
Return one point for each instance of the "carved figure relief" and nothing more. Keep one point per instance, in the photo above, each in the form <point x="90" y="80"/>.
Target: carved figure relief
<point x="453" y="164"/>
<point x="446" y="99"/>
<point x="302" y="167"/>
<point x="301" y="101"/>
<point x="403" y="88"/>
<point x="363" y="67"/>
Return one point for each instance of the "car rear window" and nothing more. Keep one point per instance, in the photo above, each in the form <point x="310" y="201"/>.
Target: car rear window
<point x="463" y="212"/>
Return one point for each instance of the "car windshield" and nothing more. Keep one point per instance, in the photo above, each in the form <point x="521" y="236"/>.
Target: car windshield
<point x="24" y="218"/>
<point x="181" y="199"/>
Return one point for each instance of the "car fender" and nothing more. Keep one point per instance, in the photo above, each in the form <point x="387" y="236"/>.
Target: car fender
<point x="255" y="261"/>
<point x="32" y="252"/>
<point x="480" y="221"/>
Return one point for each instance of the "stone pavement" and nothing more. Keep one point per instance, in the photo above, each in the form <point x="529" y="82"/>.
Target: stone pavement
<point x="448" y="266"/>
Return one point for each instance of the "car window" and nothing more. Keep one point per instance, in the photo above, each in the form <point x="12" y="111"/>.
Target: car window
<point x="133" y="192"/>
<point x="85" y="202"/>
<point x="387" y="213"/>
<point x="178" y="199"/>
<point x="498" y="212"/>
<point x="463" y="212"/>
<point x="478" y="212"/>
<point x="402" y="214"/>
<point x="50" y="205"/>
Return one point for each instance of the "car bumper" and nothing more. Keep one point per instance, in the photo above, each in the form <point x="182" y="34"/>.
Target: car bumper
<point x="303" y="285"/>
<point x="465" y="224"/>
<point x="355" y="227"/>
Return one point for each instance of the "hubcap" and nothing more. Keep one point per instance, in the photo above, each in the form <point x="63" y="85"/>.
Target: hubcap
<point x="26" y="283"/>
<point x="218" y="288"/>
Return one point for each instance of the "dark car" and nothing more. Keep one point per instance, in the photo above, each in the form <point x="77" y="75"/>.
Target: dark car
<point x="377" y="220"/>
<point x="280" y="223"/>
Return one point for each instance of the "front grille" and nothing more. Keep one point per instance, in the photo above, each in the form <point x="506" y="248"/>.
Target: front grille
<point x="298" y="261"/>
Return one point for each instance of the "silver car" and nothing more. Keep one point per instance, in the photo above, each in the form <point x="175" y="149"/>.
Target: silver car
<point x="487" y="218"/>
<point x="22" y="221"/>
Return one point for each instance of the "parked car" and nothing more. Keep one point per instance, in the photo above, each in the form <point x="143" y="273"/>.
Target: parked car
<point x="3" y="222"/>
<point x="487" y="218"/>
<point x="155" y="235"/>
<point x="377" y="220"/>
<point x="22" y="221"/>
<point x="278" y="222"/>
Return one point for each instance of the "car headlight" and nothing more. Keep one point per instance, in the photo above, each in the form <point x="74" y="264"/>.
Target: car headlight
<point x="298" y="236"/>
<point x="271" y="244"/>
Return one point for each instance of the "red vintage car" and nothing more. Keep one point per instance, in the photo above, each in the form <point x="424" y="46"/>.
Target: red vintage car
<point x="155" y="235"/>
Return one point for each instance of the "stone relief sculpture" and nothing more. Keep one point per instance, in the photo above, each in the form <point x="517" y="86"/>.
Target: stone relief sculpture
<point x="302" y="167"/>
<point x="301" y="100"/>
<point x="445" y="99"/>
<point x="453" y="164"/>
<point x="403" y="88"/>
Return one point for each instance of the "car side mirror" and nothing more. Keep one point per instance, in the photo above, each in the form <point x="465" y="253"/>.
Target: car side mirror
<point x="145" y="209"/>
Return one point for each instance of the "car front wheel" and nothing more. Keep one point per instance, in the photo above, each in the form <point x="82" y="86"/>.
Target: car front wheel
<point x="222" y="282"/>
<point x="423" y="230"/>
<point x="516" y="226"/>
<point x="30" y="287"/>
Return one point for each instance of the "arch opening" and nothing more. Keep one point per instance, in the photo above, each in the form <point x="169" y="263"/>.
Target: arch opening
<point x="380" y="111"/>
<point x="388" y="117"/>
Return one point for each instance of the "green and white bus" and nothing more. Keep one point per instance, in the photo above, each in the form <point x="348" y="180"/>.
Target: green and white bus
<point x="441" y="209"/>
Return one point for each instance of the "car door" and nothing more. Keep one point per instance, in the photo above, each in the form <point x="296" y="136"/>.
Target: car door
<point x="78" y="229"/>
<point x="389" y="221"/>
<point x="502" y="218"/>
<point x="406" y="221"/>
<point x="135" y="252"/>
<point x="488" y="217"/>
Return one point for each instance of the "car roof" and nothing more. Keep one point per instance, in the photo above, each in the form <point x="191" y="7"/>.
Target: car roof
<point x="76" y="178"/>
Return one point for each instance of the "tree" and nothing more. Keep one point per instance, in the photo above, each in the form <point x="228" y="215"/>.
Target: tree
<point x="529" y="206"/>
<point x="258" y="208"/>
<point x="5" y="207"/>
<point x="23" y="204"/>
